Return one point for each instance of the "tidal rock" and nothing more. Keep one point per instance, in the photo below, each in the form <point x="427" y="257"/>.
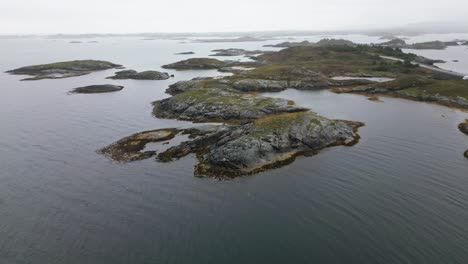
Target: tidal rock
<point x="61" y="70"/>
<point x="105" y="88"/>
<point x="145" y="75"/>
<point x="464" y="127"/>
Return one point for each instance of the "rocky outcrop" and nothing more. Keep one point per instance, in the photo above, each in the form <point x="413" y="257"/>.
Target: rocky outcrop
<point x="184" y="86"/>
<point x="196" y="64"/>
<point x="464" y="127"/>
<point x="215" y="104"/>
<point x="61" y="70"/>
<point x="131" y="148"/>
<point x="266" y="143"/>
<point x="272" y="142"/>
<point x="229" y="151"/>
<point x="105" y="88"/>
<point x="260" y="85"/>
<point x="145" y="75"/>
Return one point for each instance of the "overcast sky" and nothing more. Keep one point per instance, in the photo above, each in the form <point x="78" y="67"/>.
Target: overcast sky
<point x="135" y="16"/>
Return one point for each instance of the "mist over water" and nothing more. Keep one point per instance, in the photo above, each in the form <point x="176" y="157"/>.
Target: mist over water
<point x="399" y="196"/>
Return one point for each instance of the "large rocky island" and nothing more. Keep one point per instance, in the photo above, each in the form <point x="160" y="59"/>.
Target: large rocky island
<point x="65" y="69"/>
<point x="260" y="133"/>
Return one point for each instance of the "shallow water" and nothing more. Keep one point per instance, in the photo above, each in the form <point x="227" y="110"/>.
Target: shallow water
<point x="399" y="196"/>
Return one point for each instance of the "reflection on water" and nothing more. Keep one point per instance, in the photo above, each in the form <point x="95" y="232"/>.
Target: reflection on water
<point x="399" y="196"/>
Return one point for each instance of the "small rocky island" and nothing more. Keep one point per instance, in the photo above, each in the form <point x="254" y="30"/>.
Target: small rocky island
<point x="65" y="69"/>
<point x="231" y="150"/>
<point x="196" y="63"/>
<point x="185" y="53"/>
<point x="91" y="89"/>
<point x="145" y="75"/>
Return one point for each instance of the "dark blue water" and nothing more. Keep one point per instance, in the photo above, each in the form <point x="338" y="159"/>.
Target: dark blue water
<point x="399" y="196"/>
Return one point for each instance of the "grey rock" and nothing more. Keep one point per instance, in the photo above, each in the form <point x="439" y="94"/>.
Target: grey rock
<point x="216" y="104"/>
<point x="145" y="75"/>
<point x="105" y="88"/>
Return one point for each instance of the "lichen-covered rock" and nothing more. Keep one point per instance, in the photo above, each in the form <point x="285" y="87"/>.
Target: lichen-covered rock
<point x="266" y="143"/>
<point x="228" y="151"/>
<point x="145" y="75"/>
<point x="184" y="86"/>
<point x="65" y="69"/>
<point x="104" y="88"/>
<point x="214" y="104"/>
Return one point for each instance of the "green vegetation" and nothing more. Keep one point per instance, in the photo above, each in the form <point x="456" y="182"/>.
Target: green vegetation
<point x="449" y="88"/>
<point x="293" y="63"/>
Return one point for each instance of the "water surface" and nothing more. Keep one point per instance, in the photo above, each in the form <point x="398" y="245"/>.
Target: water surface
<point x="399" y="196"/>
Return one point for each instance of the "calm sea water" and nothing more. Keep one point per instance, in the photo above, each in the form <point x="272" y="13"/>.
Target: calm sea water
<point x="399" y="196"/>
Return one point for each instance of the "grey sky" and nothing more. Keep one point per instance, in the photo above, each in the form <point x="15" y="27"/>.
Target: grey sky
<point x="132" y="16"/>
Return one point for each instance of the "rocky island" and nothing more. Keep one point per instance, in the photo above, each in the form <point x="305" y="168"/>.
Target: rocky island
<point x="208" y="64"/>
<point x="260" y="133"/>
<point x="235" y="52"/>
<point x="239" y="39"/>
<point x="65" y="69"/>
<point x="229" y="151"/>
<point x="438" y="45"/>
<point x="104" y="88"/>
<point x="186" y="53"/>
<point x="145" y="75"/>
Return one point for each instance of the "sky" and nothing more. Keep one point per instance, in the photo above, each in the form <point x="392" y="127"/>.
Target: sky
<point x="138" y="16"/>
